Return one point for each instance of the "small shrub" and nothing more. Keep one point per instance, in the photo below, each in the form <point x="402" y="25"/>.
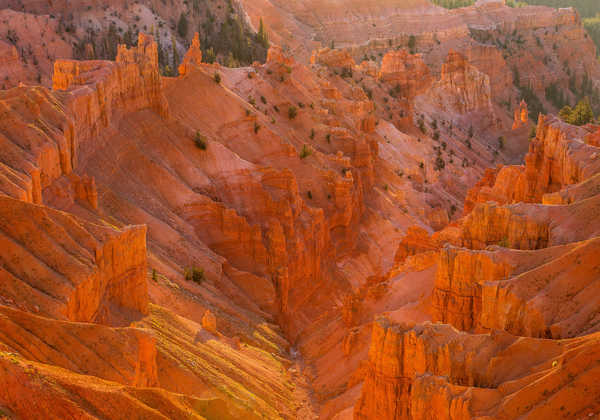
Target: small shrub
<point x="292" y="112"/>
<point x="154" y="275"/>
<point x="346" y="72"/>
<point x="256" y="128"/>
<point x="194" y="274"/>
<point x="312" y="133"/>
<point x="309" y="194"/>
<point x="217" y="78"/>
<point x="200" y="141"/>
<point x="305" y="152"/>
<point x="263" y="100"/>
<point x="328" y="137"/>
<point x="439" y="164"/>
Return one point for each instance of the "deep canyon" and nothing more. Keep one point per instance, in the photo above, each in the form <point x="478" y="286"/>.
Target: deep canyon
<point x="382" y="215"/>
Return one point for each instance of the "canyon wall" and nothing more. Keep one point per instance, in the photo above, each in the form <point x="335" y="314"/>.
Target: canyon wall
<point x="74" y="270"/>
<point x="461" y="376"/>
<point x="556" y="159"/>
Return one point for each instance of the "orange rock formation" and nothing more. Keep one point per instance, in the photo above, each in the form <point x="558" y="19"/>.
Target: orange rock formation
<point x="225" y="247"/>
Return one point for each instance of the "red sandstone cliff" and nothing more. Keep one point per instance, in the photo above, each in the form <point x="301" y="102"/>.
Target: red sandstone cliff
<point x="556" y="159"/>
<point x="432" y="368"/>
<point x="407" y="71"/>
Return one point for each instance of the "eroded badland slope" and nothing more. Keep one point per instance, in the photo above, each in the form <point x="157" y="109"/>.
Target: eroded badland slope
<point x="364" y="232"/>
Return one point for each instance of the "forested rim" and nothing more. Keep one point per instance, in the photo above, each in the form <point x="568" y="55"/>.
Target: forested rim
<point x="589" y="10"/>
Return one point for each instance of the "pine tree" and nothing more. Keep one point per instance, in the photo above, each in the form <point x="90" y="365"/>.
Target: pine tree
<point x="582" y="113"/>
<point x="262" y="36"/>
<point x="210" y="56"/>
<point x="161" y="54"/>
<point x="175" y="54"/>
<point x="182" y="26"/>
<point x="565" y="113"/>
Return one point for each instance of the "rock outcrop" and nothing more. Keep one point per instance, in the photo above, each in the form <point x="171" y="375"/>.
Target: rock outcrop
<point x="461" y="89"/>
<point x="32" y="119"/>
<point x="405" y="72"/>
<point x="489" y="224"/>
<point x="416" y="241"/>
<point x="123" y="355"/>
<point x="333" y="58"/>
<point x="552" y="300"/>
<point x="193" y="57"/>
<point x="521" y="116"/>
<point x="70" y="269"/>
<point x="557" y="158"/>
<point x="456" y="298"/>
<point x="95" y="89"/>
<point x="209" y="322"/>
<point x="432" y="368"/>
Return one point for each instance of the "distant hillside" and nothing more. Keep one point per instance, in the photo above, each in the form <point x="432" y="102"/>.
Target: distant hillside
<point x="586" y="8"/>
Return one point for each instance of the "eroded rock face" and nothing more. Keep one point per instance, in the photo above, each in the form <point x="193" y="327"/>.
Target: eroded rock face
<point x="412" y="371"/>
<point x="489" y="224"/>
<point x="123" y="355"/>
<point x="130" y="83"/>
<point x="551" y="300"/>
<point x="11" y="67"/>
<point x="209" y="322"/>
<point x="556" y="159"/>
<point x="294" y="219"/>
<point x="407" y="71"/>
<point x="32" y="119"/>
<point x="193" y="57"/>
<point x="521" y="116"/>
<point x="74" y="270"/>
<point x="417" y="240"/>
<point x="461" y="89"/>
<point x="336" y="58"/>
<point x="457" y="293"/>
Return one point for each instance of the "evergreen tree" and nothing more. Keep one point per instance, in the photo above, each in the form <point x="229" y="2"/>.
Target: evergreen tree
<point x="209" y="56"/>
<point x="262" y="36"/>
<point x="565" y="113"/>
<point x="175" y="55"/>
<point x="580" y="115"/>
<point x="412" y="44"/>
<point x="182" y="26"/>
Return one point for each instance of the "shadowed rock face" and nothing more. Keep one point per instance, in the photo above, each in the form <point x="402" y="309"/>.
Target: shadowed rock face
<point x="223" y="244"/>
